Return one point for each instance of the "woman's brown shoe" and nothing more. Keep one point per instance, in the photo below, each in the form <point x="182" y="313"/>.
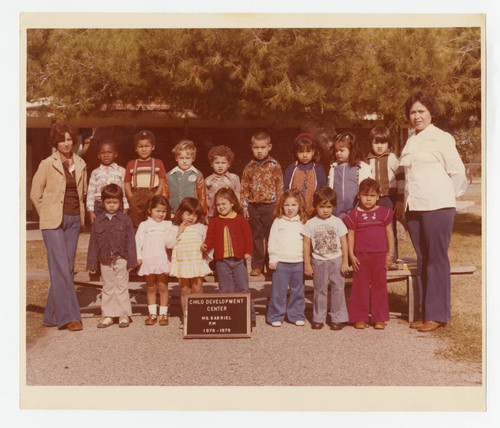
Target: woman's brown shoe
<point x="417" y="324"/>
<point x="431" y="326"/>
<point x="75" y="326"/>
<point x="360" y="325"/>
<point x="379" y="325"/>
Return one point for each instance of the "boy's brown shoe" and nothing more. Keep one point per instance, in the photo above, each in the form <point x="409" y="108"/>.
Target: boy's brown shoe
<point x="163" y="319"/>
<point x="151" y="319"/>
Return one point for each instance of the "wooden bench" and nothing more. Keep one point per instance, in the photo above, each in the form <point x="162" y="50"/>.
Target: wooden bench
<point x="412" y="286"/>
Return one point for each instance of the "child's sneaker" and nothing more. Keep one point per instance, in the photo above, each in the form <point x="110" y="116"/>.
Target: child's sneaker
<point x="163" y="319"/>
<point x="105" y="322"/>
<point x="276" y="323"/>
<point x="300" y="323"/>
<point x="123" y="322"/>
<point x="151" y="319"/>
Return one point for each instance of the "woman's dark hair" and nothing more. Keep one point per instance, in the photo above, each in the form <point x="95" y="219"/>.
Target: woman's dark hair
<point x="58" y="133"/>
<point x="369" y="184"/>
<point x="226" y="192"/>
<point x="191" y="205"/>
<point x="112" y="191"/>
<point x="324" y="194"/>
<point x="424" y="98"/>
<point x="159" y="200"/>
<point x="380" y="134"/>
<point x="305" y="142"/>
<point x="348" y="139"/>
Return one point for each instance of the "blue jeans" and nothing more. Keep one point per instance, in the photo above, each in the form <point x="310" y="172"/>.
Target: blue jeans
<point x="62" y="305"/>
<point x="430" y="233"/>
<point x="287" y="274"/>
<point x="232" y="274"/>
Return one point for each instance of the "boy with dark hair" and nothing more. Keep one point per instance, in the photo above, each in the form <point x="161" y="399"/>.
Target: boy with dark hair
<point x="261" y="188"/>
<point x="112" y="245"/>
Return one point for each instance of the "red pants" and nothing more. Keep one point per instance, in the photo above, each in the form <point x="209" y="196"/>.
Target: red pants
<point x="371" y="272"/>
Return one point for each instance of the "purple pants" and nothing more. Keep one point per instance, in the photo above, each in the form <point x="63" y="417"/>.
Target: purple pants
<point x="372" y="274"/>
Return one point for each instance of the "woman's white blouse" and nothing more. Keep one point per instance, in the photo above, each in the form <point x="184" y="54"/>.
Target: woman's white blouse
<point x="434" y="172"/>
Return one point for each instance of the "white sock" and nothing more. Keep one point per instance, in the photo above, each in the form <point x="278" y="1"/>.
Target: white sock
<point x="152" y="309"/>
<point x="163" y="310"/>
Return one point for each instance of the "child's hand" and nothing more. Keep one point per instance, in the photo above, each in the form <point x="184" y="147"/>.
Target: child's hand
<point x="131" y="269"/>
<point x="248" y="257"/>
<point x="203" y="247"/>
<point x="182" y="227"/>
<point x="139" y="262"/>
<point x="246" y="215"/>
<point x="273" y="266"/>
<point x="344" y="268"/>
<point x="92" y="217"/>
<point x="388" y="261"/>
<point x="355" y="263"/>
<point x="308" y="270"/>
<point x="92" y="272"/>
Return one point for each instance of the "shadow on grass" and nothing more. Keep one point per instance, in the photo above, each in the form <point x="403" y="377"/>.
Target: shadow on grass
<point x="467" y="224"/>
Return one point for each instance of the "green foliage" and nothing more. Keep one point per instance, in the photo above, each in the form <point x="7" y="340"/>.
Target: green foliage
<point x="315" y="74"/>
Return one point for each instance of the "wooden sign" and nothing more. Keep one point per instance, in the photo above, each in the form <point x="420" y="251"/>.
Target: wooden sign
<point x="217" y="315"/>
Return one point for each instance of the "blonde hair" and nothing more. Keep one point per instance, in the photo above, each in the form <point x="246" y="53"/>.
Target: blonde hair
<point x="295" y="194"/>
<point x="185" y="146"/>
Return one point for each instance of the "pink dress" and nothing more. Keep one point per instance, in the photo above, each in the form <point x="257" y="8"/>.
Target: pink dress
<point x="152" y="240"/>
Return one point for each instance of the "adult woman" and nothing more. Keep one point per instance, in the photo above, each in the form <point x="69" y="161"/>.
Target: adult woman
<point x="58" y="192"/>
<point x="435" y="176"/>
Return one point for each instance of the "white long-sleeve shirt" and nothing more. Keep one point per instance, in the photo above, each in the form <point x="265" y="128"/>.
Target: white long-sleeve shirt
<point x="434" y="172"/>
<point x="285" y="240"/>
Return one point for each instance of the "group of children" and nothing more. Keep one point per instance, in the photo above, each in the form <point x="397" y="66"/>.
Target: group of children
<point x="293" y="224"/>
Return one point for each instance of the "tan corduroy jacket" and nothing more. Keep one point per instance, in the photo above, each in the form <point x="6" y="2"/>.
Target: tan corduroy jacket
<point x="48" y="188"/>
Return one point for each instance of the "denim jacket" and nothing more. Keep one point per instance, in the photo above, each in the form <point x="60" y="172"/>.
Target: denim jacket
<point x="111" y="238"/>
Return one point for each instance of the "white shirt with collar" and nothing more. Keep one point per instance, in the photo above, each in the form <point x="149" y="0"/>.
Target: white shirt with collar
<point x="434" y="172"/>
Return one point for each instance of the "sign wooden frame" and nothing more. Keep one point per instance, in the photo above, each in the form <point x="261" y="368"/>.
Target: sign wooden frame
<point x="217" y="316"/>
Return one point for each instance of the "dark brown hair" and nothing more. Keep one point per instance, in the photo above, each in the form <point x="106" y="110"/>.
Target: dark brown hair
<point x="159" y="200"/>
<point x="226" y="192"/>
<point x="424" y="98"/>
<point x="324" y="194"/>
<point x="369" y="184"/>
<point x="144" y="135"/>
<point x="191" y="205"/>
<point x="305" y="142"/>
<point x="348" y="139"/>
<point x="380" y="134"/>
<point x="291" y="193"/>
<point x="107" y="141"/>
<point x="112" y="191"/>
<point x="260" y="136"/>
<point x="223" y="151"/>
<point x="58" y="133"/>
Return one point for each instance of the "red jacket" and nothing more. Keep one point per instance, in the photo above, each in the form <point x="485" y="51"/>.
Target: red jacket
<point x="241" y="236"/>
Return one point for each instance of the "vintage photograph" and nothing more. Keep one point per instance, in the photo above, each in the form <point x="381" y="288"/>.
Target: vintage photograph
<point x="314" y="190"/>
